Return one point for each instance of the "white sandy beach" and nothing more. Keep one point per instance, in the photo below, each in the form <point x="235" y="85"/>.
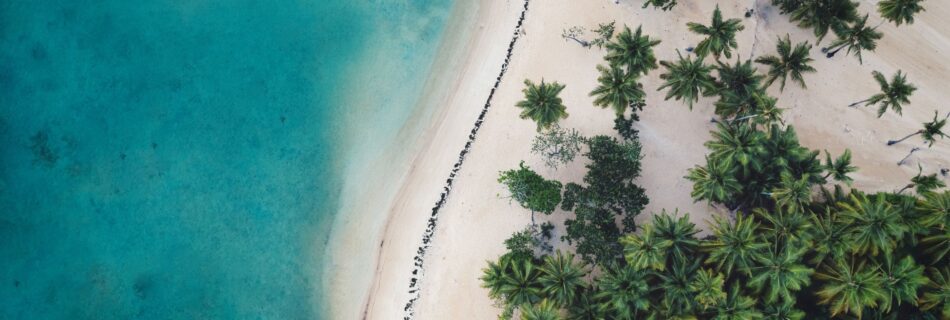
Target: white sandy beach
<point x="475" y="220"/>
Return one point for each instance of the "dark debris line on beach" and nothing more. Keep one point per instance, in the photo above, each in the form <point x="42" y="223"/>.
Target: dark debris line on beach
<point x="417" y="268"/>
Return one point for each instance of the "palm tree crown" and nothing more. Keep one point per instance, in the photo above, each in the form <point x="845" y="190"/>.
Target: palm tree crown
<point x="934" y="129"/>
<point x="850" y="288"/>
<point x="789" y="62"/>
<point x="893" y="95"/>
<point x="561" y="278"/>
<point x="716" y="182"/>
<point x="633" y="50"/>
<point x="617" y="89"/>
<point x="542" y="104"/>
<point x="736" y="246"/>
<point x="876" y="224"/>
<point x="544" y="310"/>
<point x="899" y="11"/>
<point x="623" y="293"/>
<point x="856" y="38"/>
<point x="782" y="273"/>
<point x="687" y="79"/>
<point x="720" y="35"/>
<point x="840" y="167"/>
<point x="824" y="15"/>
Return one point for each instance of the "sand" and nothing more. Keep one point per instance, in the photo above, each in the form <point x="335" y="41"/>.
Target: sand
<point x="476" y="218"/>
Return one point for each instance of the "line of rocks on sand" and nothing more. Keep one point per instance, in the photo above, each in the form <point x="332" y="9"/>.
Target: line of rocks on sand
<point x="418" y="260"/>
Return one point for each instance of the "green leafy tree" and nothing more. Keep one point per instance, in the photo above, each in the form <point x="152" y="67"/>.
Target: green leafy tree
<point x="542" y="104"/>
<point x="624" y="293"/>
<point x="544" y="310"/>
<point x="557" y="146"/>
<point x="899" y="11"/>
<point x="790" y="62"/>
<point x="523" y="244"/>
<point x="687" y="79"/>
<point x="825" y="15"/>
<point x="876" y="225"/>
<point x="604" y="31"/>
<point x="715" y="182"/>
<point x="645" y="250"/>
<point x="708" y="287"/>
<point x="840" y="167"/>
<point x="931" y="131"/>
<point x="735" y="245"/>
<point x="856" y="37"/>
<point x="903" y="278"/>
<point x="850" y="288"/>
<point x="617" y="89"/>
<point x="893" y="95"/>
<point x="741" y="145"/>
<point x="531" y="190"/>
<point x="561" y="278"/>
<point x="737" y="307"/>
<point x="633" y="51"/>
<point x="720" y="35"/>
<point x="780" y="274"/>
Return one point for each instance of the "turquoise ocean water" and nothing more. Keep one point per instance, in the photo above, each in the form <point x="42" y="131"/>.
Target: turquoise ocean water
<point x="177" y="159"/>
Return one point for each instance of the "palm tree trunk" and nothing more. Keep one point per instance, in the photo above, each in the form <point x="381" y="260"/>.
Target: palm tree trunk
<point x="905" y="188"/>
<point x="893" y="142"/>
<point x="859" y="102"/>
<point x="832" y="54"/>
<point x="915" y="149"/>
<point x="826" y="176"/>
<point x="532" y="219"/>
<point x="583" y="43"/>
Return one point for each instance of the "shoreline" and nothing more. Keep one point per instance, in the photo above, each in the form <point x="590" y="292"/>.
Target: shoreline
<point x="419" y="259"/>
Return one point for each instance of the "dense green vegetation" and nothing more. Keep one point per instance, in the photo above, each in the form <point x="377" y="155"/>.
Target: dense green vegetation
<point x="794" y="241"/>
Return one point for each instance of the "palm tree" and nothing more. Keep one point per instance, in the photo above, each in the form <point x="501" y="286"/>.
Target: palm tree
<point x="784" y="311"/>
<point x="876" y="224"/>
<point x="784" y="228"/>
<point x="787" y="6"/>
<point x="830" y="238"/>
<point x="544" y="310"/>
<point x="824" y="15"/>
<point x="789" y="62"/>
<point x="687" y="79"/>
<point x="893" y="95"/>
<point x="902" y="279"/>
<point x="662" y="4"/>
<point x="923" y="183"/>
<point x="850" y="288"/>
<point x="708" y="287"/>
<point x="542" y="104"/>
<point x="585" y="307"/>
<point x="740" y="79"/>
<point x="899" y="11"/>
<point x="737" y="307"/>
<point x="856" y="38"/>
<point x="716" y="182"/>
<point x="720" y="35"/>
<point x="782" y="273"/>
<point x="840" y="167"/>
<point x="767" y="113"/>
<point x="634" y="51"/>
<point x="679" y="232"/>
<point x="937" y="296"/>
<point x="520" y="285"/>
<point x="931" y="131"/>
<point x="935" y="210"/>
<point x="493" y="277"/>
<point x="736" y="245"/>
<point x="675" y="283"/>
<point x="623" y="293"/>
<point x="561" y="278"/>
<point x="740" y="145"/>
<point x="937" y="245"/>
<point x="617" y="89"/>
<point x="791" y="193"/>
<point x="645" y="250"/>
